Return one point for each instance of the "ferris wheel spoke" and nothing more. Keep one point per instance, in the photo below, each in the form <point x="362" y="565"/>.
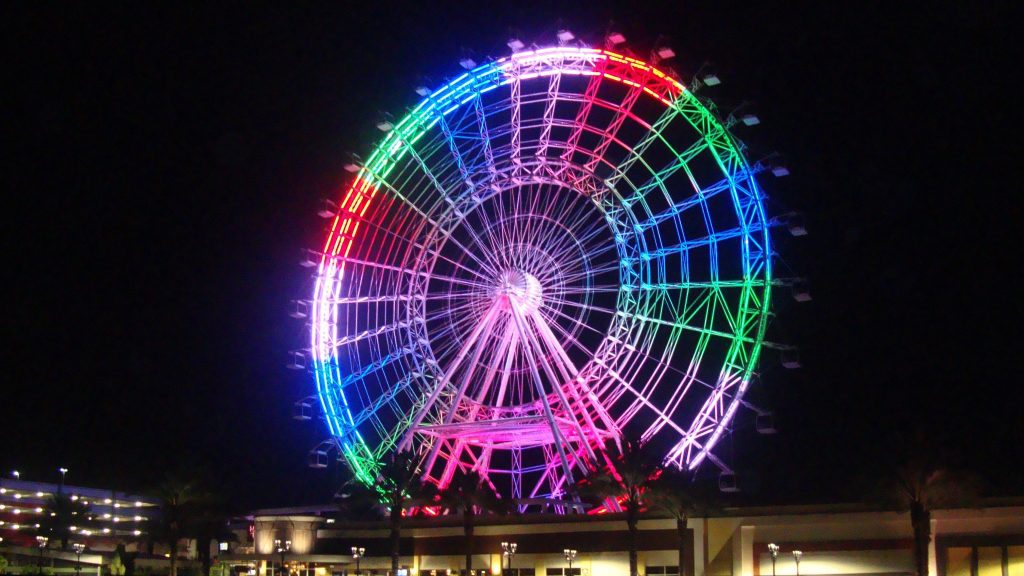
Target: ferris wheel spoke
<point x="591" y="272"/>
<point x="412" y="272"/>
<point x="583" y="306"/>
<point x="551" y="312"/>
<point x="592" y="289"/>
<point x="452" y="202"/>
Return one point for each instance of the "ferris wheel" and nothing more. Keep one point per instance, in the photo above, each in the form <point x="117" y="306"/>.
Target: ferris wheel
<point x="549" y="252"/>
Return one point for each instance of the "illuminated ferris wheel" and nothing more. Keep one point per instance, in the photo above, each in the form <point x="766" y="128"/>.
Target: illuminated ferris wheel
<point x="550" y="251"/>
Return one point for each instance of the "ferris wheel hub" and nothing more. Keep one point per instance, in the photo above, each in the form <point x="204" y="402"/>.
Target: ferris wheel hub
<point x="521" y="289"/>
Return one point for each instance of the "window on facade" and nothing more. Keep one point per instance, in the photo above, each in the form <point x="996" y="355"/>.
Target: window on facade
<point x="659" y="570"/>
<point x="958" y="562"/>
<point x="564" y="572"/>
<point x="985" y="561"/>
<point x="1015" y="560"/>
<point x="520" y="572"/>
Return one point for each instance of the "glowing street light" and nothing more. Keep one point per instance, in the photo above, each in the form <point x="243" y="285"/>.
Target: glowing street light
<point x="282" y="549"/>
<point x="773" y="549"/>
<point x="508" y="550"/>
<point x="63" y="472"/>
<point x="357" y="554"/>
<point x="79" y="548"/>
<point x="796" y="558"/>
<point x="570" y="555"/>
<point x="41" y="540"/>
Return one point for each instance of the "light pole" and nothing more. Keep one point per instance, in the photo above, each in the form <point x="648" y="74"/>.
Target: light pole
<point x="282" y="549"/>
<point x="42" y="540"/>
<point x="63" y="471"/>
<point x="357" y="554"/>
<point x="508" y="550"/>
<point x="570" y="555"/>
<point x="773" y="549"/>
<point x="796" y="558"/>
<point x="79" y="548"/>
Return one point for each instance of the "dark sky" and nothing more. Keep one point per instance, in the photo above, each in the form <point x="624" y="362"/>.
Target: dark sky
<point x="164" y="167"/>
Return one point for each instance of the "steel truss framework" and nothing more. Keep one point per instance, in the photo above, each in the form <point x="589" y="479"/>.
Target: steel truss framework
<point x="547" y="252"/>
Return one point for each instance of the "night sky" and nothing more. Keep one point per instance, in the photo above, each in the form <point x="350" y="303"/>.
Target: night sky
<point x="164" y="168"/>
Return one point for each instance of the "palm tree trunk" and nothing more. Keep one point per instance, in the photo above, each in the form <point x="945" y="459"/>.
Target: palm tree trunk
<point x="396" y="526"/>
<point x="921" y="521"/>
<point x="203" y="548"/>
<point x="467" y="527"/>
<point x="681" y="533"/>
<point x="174" y="559"/>
<point x="631" y="521"/>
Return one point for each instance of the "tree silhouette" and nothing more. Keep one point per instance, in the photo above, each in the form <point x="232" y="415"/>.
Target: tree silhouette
<point x="469" y="494"/>
<point x="676" y="493"/>
<point x="920" y="478"/>
<point x="399" y="487"/>
<point x="624" y="484"/>
<point x="61" y="513"/>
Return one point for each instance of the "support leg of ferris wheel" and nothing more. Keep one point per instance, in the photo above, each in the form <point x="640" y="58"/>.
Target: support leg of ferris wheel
<point x="535" y="342"/>
<point x="505" y="350"/>
<point x="443" y="383"/>
<point x="573" y="382"/>
<point x="524" y="335"/>
<point x="487" y="323"/>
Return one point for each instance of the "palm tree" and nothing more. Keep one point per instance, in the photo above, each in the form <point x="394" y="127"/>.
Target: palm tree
<point x="625" y="482"/>
<point x="675" y="493"/>
<point x="398" y="487"/>
<point x="209" y="523"/>
<point x="178" y="502"/>
<point x="469" y="494"/>
<point x="920" y="479"/>
<point x="60" y="513"/>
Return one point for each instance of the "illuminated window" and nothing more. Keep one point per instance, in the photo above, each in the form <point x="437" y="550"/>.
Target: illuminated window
<point x="1015" y="560"/>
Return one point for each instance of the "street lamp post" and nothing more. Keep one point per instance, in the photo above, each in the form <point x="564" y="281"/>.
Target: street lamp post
<point x="63" y="471"/>
<point x="508" y="550"/>
<point x="796" y="558"/>
<point x="42" y="540"/>
<point x="570" y="555"/>
<point x="79" y="548"/>
<point x="773" y="549"/>
<point x="282" y="549"/>
<point x="357" y="554"/>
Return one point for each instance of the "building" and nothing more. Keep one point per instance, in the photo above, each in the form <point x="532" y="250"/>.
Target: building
<point x="847" y="540"/>
<point x="109" y="517"/>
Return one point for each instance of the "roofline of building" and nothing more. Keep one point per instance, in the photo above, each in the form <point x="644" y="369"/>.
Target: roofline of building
<point x="413" y="522"/>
